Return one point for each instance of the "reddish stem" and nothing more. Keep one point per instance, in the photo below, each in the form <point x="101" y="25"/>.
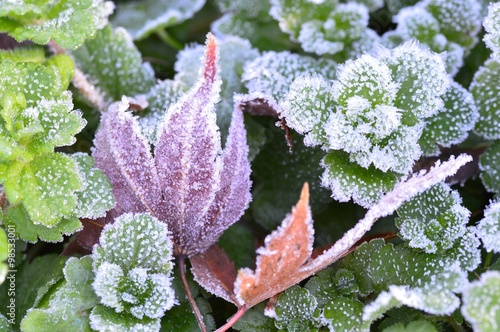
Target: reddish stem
<point x="241" y="311"/>
<point x="182" y="269"/>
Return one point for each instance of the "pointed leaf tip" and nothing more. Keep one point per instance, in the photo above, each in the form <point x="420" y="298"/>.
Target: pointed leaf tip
<point x="210" y="66"/>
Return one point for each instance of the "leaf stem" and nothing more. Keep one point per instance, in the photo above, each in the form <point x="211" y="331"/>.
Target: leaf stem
<point x="181" y="259"/>
<point x="241" y="311"/>
<point x="169" y="40"/>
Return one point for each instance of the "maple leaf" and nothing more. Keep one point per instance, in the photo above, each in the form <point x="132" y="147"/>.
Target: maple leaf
<point x="190" y="183"/>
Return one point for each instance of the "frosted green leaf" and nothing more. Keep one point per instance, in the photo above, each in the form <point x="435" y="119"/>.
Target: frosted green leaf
<point x="141" y="18"/>
<point x="4" y="251"/>
<point x="307" y="106"/>
<point x="492" y="26"/>
<point x="5" y="325"/>
<point x="112" y="63"/>
<point x="395" y="6"/>
<point x="234" y="53"/>
<point x="132" y="267"/>
<point x="485" y="88"/>
<point x="291" y="14"/>
<point x="465" y="251"/>
<point x="349" y="180"/>
<point x="294" y="309"/>
<point x="488" y="164"/>
<point x="372" y="5"/>
<point x="488" y="228"/>
<point x="66" y="306"/>
<point x="24" y="54"/>
<point x="322" y="287"/>
<point x="251" y="8"/>
<point x="415" y="326"/>
<point x="95" y="197"/>
<point x="421" y="76"/>
<point x="106" y="319"/>
<point x="345" y="282"/>
<point x="281" y="69"/>
<point x="67" y="22"/>
<point x="344" y="25"/>
<point x="459" y="20"/>
<point x="433" y="220"/>
<point x="46" y="187"/>
<point x="453" y="122"/>
<point x="160" y="97"/>
<point x="359" y="261"/>
<point x="254" y="320"/>
<point x="402" y="266"/>
<point x="344" y="314"/>
<point x="28" y="231"/>
<point x="481" y="302"/>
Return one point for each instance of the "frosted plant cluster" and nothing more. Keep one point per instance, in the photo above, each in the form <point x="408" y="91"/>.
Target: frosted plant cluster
<point x="132" y="266"/>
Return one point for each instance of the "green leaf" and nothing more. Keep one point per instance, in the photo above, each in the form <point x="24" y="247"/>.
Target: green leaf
<point x="95" y="196"/>
<point x="132" y="267"/>
<point x="492" y="27"/>
<point x="25" y="229"/>
<point x="481" y="300"/>
<point x="46" y="186"/>
<point x="280" y="175"/>
<point x="433" y="220"/>
<point x="345" y="282"/>
<point x="488" y="164"/>
<point x="344" y="314"/>
<point x="67" y="22"/>
<point x="33" y="281"/>
<point x="488" y="228"/>
<point x="24" y="54"/>
<point x="254" y="320"/>
<point x="416" y="326"/>
<point x="349" y="180"/>
<point x="322" y="286"/>
<point x="294" y="309"/>
<point x="67" y="306"/>
<point x="107" y="319"/>
<point x="5" y="325"/>
<point x="485" y="87"/>
<point x="141" y="18"/>
<point x="4" y="252"/>
<point x="112" y="62"/>
<point x="453" y="122"/>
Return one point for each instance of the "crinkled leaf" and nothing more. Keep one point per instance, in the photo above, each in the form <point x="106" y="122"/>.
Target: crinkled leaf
<point x="481" y="300"/>
<point x="141" y="18"/>
<point x="18" y="217"/>
<point x="295" y="309"/>
<point x="485" y="88"/>
<point x="68" y="305"/>
<point x="349" y="180"/>
<point x="33" y="281"/>
<point x="42" y="21"/>
<point x="453" y="122"/>
<point x="488" y="164"/>
<point x="433" y="220"/>
<point x="113" y="64"/>
<point x="95" y="196"/>
<point x="492" y="26"/>
<point x="344" y="314"/>
<point x="488" y="228"/>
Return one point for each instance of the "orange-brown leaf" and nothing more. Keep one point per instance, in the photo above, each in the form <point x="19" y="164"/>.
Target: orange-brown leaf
<point x="215" y="271"/>
<point x="286" y="249"/>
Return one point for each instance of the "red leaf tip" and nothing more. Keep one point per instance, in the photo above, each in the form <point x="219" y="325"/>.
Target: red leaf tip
<point x="210" y="61"/>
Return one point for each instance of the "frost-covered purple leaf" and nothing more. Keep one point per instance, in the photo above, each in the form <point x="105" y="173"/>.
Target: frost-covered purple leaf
<point x="190" y="183"/>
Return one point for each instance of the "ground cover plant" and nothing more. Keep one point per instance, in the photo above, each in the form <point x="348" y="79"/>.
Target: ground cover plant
<point x="266" y="165"/>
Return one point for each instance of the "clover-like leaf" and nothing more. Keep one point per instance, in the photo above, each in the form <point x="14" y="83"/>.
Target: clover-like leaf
<point x="453" y="122"/>
<point x="344" y="314"/>
<point x="433" y="220"/>
<point x="488" y="165"/>
<point x="190" y="184"/>
<point x="68" y="305"/>
<point x="132" y="267"/>
<point x="294" y="309"/>
<point x="42" y="21"/>
<point x="492" y="26"/>
<point x="481" y="300"/>
<point x="112" y="63"/>
<point x="141" y="18"/>
<point x="488" y="228"/>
